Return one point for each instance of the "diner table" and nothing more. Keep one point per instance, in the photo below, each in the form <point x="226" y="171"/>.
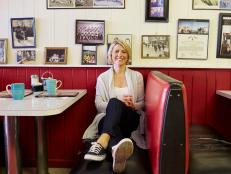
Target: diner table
<point x="38" y="107"/>
<point x="224" y="93"/>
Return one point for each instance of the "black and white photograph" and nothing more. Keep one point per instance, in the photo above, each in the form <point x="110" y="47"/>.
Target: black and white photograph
<point x="108" y="3"/>
<point x="23" y="32"/>
<point x="26" y="56"/>
<point x="155" y="46"/>
<point x="192" y="39"/>
<point x="90" y="32"/>
<point x="60" y="4"/>
<point x="211" y="4"/>
<point x="89" y="55"/>
<point x="55" y="55"/>
<point x="3" y="50"/>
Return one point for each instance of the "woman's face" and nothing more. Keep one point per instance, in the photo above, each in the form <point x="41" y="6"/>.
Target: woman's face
<point x="119" y="55"/>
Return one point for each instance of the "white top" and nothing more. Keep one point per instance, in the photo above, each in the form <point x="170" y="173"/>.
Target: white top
<point x="224" y="93"/>
<point x="32" y="106"/>
<point x="121" y="92"/>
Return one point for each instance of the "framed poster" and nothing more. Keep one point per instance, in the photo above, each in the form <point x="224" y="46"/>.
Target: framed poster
<point x="156" y="10"/>
<point x="211" y="5"/>
<point x="26" y="56"/>
<point x="155" y="46"/>
<point x="90" y="32"/>
<point x="224" y="36"/>
<point x="3" y="51"/>
<point x="192" y="39"/>
<point x="56" y="55"/>
<point x="89" y="55"/>
<point x="23" y="32"/>
<point x="75" y="4"/>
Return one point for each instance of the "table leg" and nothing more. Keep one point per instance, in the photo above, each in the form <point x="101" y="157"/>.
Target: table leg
<point x="42" y="167"/>
<point x="13" y="158"/>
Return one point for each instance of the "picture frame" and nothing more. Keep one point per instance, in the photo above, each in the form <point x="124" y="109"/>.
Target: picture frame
<point x="155" y="47"/>
<point x="211" y="5"/>
<point x="127" y="38"/>
<point x="156" y="10"/>
<point x="55" y="55"/>
<point x="90" y="32"/>
<point x="23" y="32"/>
<point x="192" y="39"/>
<point x="3" y="50"/>
<point x="85" y="4"/>
<point x="26" y="56"/>
<point x="89" y="55"/>
<point x="224" y="36"/>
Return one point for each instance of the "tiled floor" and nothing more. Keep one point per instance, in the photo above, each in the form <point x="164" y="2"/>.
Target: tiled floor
<point x="51" y="171"/>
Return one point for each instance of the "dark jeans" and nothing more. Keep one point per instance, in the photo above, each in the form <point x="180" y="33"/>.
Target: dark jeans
<point x="119" y="121"/>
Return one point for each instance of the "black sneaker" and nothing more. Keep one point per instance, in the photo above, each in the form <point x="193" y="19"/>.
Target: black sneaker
<point x="95" y="153"/>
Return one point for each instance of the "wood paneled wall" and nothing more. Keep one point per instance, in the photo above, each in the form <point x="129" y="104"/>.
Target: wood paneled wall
<point x="64" y="131"/>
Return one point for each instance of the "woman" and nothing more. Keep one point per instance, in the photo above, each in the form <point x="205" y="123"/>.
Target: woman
<point x="119" y="101"/>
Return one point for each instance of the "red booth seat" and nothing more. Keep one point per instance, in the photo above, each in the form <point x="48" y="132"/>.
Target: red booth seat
<point x="167" y="125"/>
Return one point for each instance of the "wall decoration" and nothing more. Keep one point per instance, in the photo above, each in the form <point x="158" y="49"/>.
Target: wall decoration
<point x="23" y="32"/>
<point x="211" y="4"/>
<point x="155" y="46"/>
<point x="3" y="51"/>
<point x="156" y="10"/>
<point x="70" y="4"/>
<point x="56" y="55"/>
<point x="90" y="32"/>
<point x="224" y="36"/>
<point x="127" y="38"/>
<point x="89" y="55"/>
<point x="26" y="57"/>
<point x="192" y="39"/>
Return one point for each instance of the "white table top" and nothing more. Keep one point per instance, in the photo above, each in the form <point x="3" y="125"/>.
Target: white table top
<point x="33" y="106"/>
<point x="224" y="93"/>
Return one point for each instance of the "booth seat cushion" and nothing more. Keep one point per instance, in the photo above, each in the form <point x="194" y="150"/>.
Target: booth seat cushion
<point x="209" y="154"/>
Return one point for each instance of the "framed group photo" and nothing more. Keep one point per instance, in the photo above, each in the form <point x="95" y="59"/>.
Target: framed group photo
<point x="156" y="10"/>
<point x="3" y="51"/>
<point x="211" y="5"/>
<point x="23" y="32"/>
<point x="89" y="55"/>
<point x="55" y="55"/>
<point x="192" y="39"/>
<point x="70" y="4"/>
<point x="224" y="36"/>
<point x="26" y="56"/>
<point x="90" y="32"/>
<point x="155" y="46"/>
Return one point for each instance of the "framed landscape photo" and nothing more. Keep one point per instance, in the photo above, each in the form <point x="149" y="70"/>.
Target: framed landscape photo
<point x="156" y="10"/>
<point x="3" y="51"/>
<point x="155" y="46"/>
<point x="89" y="55"/>
<point x="23" y="32"/>
<point x="211" y="5"/>
<point x="192" y="39"/>
<point x="90" y="32"/>
<point x="55" y="55"/>
<point x="26" y="56"/>
<point x="224" y="36"/>
<point x="70" y="4"/>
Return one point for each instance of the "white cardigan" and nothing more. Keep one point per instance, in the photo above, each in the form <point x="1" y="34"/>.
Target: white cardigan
<point x="105" y="91"/>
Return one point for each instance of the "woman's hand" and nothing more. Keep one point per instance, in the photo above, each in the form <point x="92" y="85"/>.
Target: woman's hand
<point x="128" y="100"/>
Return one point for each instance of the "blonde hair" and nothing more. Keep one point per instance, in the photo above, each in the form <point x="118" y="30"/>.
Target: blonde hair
<point x="122" y="44"/>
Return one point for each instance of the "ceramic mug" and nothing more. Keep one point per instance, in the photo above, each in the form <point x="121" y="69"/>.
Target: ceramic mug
<point x="52" y="86"/>
<point x="17" y="90"/>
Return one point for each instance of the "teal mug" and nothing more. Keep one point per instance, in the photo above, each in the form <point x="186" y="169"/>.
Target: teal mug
<point x="17" y="90"/>
<point x="52" y="86"/>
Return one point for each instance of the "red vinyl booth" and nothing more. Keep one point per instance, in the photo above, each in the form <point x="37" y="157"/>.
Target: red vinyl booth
<point x="167" y="125"/>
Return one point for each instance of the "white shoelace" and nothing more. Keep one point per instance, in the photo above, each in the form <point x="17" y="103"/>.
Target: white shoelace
<point x="95" y="148"/>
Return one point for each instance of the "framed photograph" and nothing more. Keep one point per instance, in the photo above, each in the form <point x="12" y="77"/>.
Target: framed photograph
<point x="3" y="51"/>
<point x="90" y="32"/>
<point x="55" y="55"/>
<point x="211" y="5"/>
<point x="224" y="36"/>
<point x="70" y="4"/>
<point x="23" y="32"/>
<point x="89" y="55"/>
<point x="192" y="39"/>
<point x="26" y="56"/>
<point x="155" y="46"/>
<point x="156" y="10"/>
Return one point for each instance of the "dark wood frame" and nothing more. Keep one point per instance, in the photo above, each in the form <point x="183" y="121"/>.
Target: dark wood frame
<point x="85" y="50"/>
<point x="64" y="49"/>
<point x="150" y="18"/>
